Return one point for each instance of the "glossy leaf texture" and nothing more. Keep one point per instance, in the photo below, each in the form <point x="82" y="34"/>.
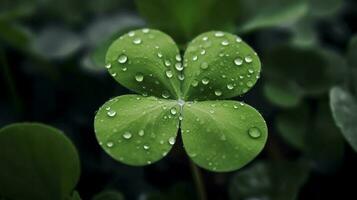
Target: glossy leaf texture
<point x="39" y="162"/>
<point x="222" y="135"/>
<point x="219" y="65"/>
<point x="344" y="110"/>
<point x="137" y="130"/>
<point x="280" y="180"/>
<point x="145" y="61"/>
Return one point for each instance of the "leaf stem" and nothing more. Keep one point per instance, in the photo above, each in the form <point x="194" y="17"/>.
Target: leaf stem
<point x="197" y="176"/>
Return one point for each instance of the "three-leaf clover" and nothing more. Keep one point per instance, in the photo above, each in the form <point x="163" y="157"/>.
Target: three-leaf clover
<point x="182" y="93"/>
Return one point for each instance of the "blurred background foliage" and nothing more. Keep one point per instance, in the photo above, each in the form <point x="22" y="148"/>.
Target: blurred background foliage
<point x="52" y="71"/>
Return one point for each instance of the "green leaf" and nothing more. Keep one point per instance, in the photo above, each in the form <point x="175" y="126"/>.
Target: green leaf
<point x="323" y="8"/>
<point x="108" y="195"/>
<point x="137" y="130"/>
<point x="40" y="162"/>
<point x="285" y="95"/>
<point x="222" y="135"/>
<point x="269" y="180"/>
<point x="352" y="52"/>
<point x="145" y="61"/>
<point x="14" y="35"/>
<point x="344" y="110"/>
<point x="314" y="70"/>
<point x="185" y="19"/>
<point x="271" y="13"/>
<point x="56" y="43"/>
<point x="218" y="66"/>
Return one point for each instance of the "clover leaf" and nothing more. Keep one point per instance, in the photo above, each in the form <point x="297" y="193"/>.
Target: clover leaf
<point x="182" y="93"/>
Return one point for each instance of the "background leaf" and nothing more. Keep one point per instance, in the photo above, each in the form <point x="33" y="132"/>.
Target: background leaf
<point x="40" y="162"/>
<point x="344" y="110"/>
<point x="137" y="130"/>
<point x="222" y="135"/>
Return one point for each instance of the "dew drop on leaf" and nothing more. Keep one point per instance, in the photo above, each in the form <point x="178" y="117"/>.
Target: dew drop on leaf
<point x="169" y="73"/>
<point x="218" y="93"/>
<point x="146" y="147"/>
<point x="127" y="135"/>
<point x="159" y="55"/>
<point x="131" y="34"/>
<point x="111" y="113"/>
<point x="167" y="63"/>
<point x="110" y="144"/>
<point x="219" y="34"/>
<point x="139" y="77"/>
<point x="141" y="133"/>
<point x="254" y="132"/>
<point x="238" y="61"/>
<point x="172" y="140"/>
<point x="165" y="94"/>
<point x="238" y="39"/>
<point x="122" y="59"/>
<point x="225" y="42"/>
<point x="173" y="111"/>
<point x="248" y="59"/>
<point x="108" y="66"/>
<point x="178" y="57"/>
<point x="179" y="66"/>
<point x="137" y="41"/>
<point x="205" y="81"/>
<point x="204" y="65"/>
<point x="230" y="86"/>
<point x="194" y="83"/>
<point x="146" y="30"/>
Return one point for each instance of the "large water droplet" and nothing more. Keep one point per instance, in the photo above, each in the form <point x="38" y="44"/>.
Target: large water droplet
<point x="169" y="73"/>
<point x="238" y="61"/>
<point x="137" y="41"/>
<point x="205" y="81"/>
<point x="254" y="132"/>
<point x="131" y="33"/>
<point x="219" y="34"/>
<point x="127" y="135"/>
<point x="122" y="59"/>
<point x="194" y="58"/>
<point x="173" y="111"/>
<point x="248" y="59"/>
<point x="179" y="66"/>
<point x="139" y="77"/>
<point x="111" y="113"/>
<point x="225" y="42"/>
<point x="230" y="86"/>
<point x="178" y="57"/>
<point x="110" y="144"/>
<point x="172" y="140"/>
<point x="218" y="93"/>
<point x="141" y="133"/>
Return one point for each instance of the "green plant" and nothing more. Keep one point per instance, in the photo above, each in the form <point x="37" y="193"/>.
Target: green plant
<point x="40" y="162"/>
<point x="182" y="93"/>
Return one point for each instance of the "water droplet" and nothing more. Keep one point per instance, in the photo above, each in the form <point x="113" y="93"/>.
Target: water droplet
<point x="172" y="140"/>
<point x="230" y="86"/>
<point x="235" y="106"/>
<point x="137" y="41"/>
<point x="110" y="144"/>
<point x="205" y="81"/>
<point x="219" y="34"/>
<point x="248" y="59"/>
<point x="141" y="133"/>
<point x="131" y="33"/>
<point x="124" y="69"/>
<point x="159" y="55"/>
<point x="181" y="77"/>
<point x="249" y="84"/>
<point x="173" y="111"/>
<point x="122" y="59"/>
<point x="180" y="118"/>
<point x="167" y="63"/>
<point x="194" y="58"/>
<point x="238" y="61"/>
<point x="146" y="30"/>
<point x="146" y="147"/>
<point x="178" y="57"/>
<point x="205" y="38"/>
<point x="111" y="113"/>
<point x="254" y="132"/>
<point x="165" y="94"/>
<point x="169" y="73"/>
<point x="194" y="83"/>
<point x="250" y="71"/>
<point x="218" y="93"/>
<point x="238" y="39"/>
<point x="107" y="108"/>
<point x="225" y="42"/>
<point x="139" y="77"/>
<point x="203" y="52"/>
<point x="114" y="74"/>
<point x="108" y="66"/>
<point x="179" y="66"/>
<point x="204" y="65"/>
<point x="127" y="135"/>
